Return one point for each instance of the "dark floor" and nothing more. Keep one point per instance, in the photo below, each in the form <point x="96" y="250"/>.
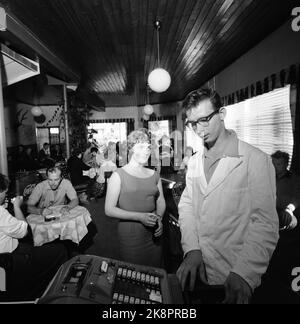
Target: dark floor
<point x="102" y="231"/>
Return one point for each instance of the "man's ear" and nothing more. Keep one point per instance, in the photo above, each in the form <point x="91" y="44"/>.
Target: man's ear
<point x="223" y="113"/>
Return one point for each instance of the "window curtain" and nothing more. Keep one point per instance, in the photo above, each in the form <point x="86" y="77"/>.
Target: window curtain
<point x="291" y="76"/>
<point x="128" y="121"/>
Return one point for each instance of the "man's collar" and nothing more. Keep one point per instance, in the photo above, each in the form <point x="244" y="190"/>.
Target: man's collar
<point x="228" y="146"/>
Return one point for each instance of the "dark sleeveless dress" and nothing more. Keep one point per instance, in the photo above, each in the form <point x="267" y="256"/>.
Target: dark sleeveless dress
<point x="137" y="243"/>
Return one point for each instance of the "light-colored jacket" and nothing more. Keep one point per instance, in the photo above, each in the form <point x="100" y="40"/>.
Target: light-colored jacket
<point x="233" y="218"/>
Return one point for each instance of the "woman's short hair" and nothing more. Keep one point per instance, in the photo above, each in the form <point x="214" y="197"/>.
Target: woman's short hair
<point x="138" y="136"/>
<point x="4" y="183"/>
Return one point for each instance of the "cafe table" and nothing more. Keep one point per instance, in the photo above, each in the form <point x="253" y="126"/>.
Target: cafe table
<point x="69" y="226"/>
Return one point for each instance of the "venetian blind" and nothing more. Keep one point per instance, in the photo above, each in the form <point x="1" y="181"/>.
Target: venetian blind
<point x="264" y="121"/>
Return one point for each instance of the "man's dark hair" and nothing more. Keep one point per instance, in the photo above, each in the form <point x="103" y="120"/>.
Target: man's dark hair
<point x="94" y="149"/>
<point x="53" y="170"/>
<point x="4" y="183"/>
<point x="193" y="99"/>
<point x="46" y="144"/>
<point x="281" y="155"/>
<point x="76" y="152"/>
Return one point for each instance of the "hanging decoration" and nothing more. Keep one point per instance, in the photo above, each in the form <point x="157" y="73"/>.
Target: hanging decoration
<point x="40" y="119"/>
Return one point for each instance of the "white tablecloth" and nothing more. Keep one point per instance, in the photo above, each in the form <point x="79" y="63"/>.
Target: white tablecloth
<point x="72" y="226"/>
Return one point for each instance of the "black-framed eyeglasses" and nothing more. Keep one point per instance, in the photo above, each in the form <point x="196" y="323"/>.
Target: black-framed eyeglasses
<point x="203" y="121"/>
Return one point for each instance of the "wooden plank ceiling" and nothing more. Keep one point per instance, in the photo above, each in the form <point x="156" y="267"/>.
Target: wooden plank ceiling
<point x="112" y="43"/>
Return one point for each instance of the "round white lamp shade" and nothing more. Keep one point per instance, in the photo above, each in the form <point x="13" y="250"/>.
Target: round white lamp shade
<point x="36" y="111"/>
<point x="146" y="117"/>
<point x="148" y="110"/>
<point x="159" y="80"/>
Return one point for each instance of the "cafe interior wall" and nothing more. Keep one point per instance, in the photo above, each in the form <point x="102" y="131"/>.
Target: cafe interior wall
<point x="278" y="51"/>
<point x="19" y="99"/>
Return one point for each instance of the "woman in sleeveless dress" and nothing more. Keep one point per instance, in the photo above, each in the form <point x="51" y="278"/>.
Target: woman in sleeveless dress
<point x="135" y="196"/>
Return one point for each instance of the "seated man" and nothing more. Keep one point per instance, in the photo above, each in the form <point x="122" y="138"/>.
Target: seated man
<point x="76" y="167"/>
<point x="44" y="157"/>
<point x="32" y="267"/>
<point x="90" y="158"/>
<point x="52" y="192"/>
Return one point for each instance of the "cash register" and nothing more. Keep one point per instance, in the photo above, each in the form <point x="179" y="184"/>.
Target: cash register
<point x="88" y="279"/>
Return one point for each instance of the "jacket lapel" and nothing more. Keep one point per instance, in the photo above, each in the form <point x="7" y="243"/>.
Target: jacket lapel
<point x="223" y="170"/>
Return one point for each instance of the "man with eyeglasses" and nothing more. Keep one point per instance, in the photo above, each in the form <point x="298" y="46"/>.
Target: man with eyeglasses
<point x="227" y="212"/>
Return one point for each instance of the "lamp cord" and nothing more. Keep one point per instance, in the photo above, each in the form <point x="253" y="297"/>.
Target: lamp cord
<point x="158" y="54"/>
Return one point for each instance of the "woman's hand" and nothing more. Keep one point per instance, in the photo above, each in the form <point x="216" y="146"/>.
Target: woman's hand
<point x="149" y="219"/>
<point x="159" y="229"/>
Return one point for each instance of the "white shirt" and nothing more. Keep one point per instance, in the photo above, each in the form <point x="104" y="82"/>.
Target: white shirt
<point x="232" y="219"/>
<point x="11" y="229"/>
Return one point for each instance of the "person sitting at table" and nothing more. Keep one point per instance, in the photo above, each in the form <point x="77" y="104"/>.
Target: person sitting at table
<point x="135" y="197"/>
<point x="76" y="167"/>
<point x="52" y="192"/>
<point x="86" y="157"/>
<point x="89" y="156"/>
<point x="32" y="267"/>
<point x="19" y="158"/>
<point x="56" y="153"/>
<point x="44" y="157"/>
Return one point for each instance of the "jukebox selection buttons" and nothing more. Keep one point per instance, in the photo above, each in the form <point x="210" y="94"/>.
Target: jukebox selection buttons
<point x="133" y="275"/>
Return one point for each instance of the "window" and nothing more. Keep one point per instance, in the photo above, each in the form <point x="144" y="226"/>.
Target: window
<point x="264" y="121"/>
<point x="49" y="135"/>
<point x="159" y="128"/>
<point x="109" y="132"/>
<point x="54" y="131"/>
